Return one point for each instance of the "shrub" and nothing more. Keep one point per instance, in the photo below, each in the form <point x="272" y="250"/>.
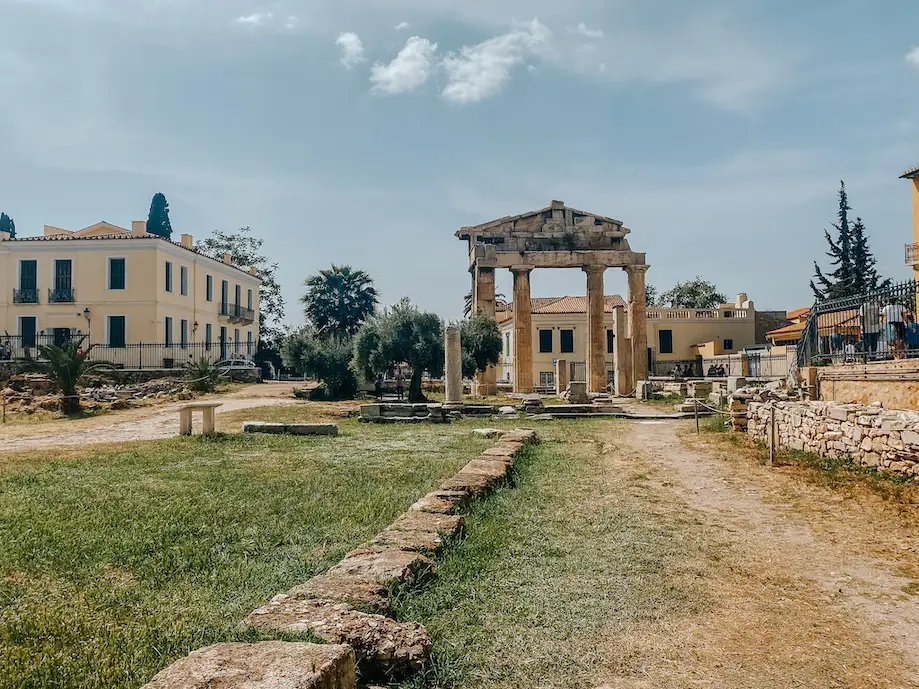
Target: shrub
<point x="202" y="375"/>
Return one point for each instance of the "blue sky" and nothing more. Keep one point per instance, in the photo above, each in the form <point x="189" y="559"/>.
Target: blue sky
<point x="367" y="132"/>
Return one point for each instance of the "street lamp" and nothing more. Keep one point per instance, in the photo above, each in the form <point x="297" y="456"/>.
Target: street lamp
<point x="89" y="332"/>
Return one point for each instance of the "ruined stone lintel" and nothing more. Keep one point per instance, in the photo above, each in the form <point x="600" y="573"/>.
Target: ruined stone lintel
<point x="491" y="256"/>
<point x="523" y="331"/>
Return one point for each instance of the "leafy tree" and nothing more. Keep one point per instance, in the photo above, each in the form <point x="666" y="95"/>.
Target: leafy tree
<point x="7" y="225"/>
<point x="652" y="298"/>
<point x="697" y="293"/>
<point x="327" y="359"/>
<point x="246" y="252"/>
<point x="481" y="343"/>
<point x="66" y="367"/>
<point x="338" y="300"/>
<point x="158" y="219"/>
<point x="864" y="262"/>
<point x="401" y="334"/>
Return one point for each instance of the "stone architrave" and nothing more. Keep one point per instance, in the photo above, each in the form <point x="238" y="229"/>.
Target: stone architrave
<point x="596" y="332"/>
<point x="454" y="368"/>
<point x="638" y="322"/>
<point x="561" y="376"/>
<point x="523" y="332"/>
<point x="623" y="354"/>
<point x="484" y="301"/>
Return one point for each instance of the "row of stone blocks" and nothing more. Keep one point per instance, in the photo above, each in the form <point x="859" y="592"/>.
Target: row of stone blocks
<point x="403" y="412"/>
<point x="348" y="606"/>
<point x="290" y="428"/>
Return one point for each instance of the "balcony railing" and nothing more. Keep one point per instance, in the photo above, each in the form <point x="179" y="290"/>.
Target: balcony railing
<point x="912" y="254"/>
<point x="62" y="295"/>
<point x="236" y="313"/>
<point x="25" y="296"/>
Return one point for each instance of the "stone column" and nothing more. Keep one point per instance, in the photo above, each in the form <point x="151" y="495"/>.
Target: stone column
<point x="596" y="333"/>
<point x="623" y="354"/>
<point x="483" y="297"/>
<point x="454" y="368"/>
<point x="523" y="331"/>
<point x="561" y="376"/>
<point x="638" y="322"/>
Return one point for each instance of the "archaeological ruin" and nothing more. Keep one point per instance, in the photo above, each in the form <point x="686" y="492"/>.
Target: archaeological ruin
<point x="562" y="237"/>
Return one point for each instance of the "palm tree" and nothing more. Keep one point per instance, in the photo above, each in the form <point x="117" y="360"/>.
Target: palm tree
<point x="66" y="367"/>
<point x="339" y="300"/>
<point x="467" y="303"/>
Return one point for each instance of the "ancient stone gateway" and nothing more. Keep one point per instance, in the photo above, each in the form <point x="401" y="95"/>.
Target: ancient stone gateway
<point x="562" y="237"/>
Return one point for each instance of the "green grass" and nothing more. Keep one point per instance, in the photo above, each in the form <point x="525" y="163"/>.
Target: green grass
<point x="117" y="560"/>
<point x="554" y="570"/>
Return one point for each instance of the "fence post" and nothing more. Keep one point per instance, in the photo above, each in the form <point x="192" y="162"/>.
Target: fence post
<point x="772" y="435"/>
<point x="695" y="408"/>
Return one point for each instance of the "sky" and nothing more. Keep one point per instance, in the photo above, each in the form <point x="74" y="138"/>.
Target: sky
<point x="366" y="133"/>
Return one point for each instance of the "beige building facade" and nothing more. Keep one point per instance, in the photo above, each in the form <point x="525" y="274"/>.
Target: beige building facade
<point x="123" y="287"/>
<point x="560" y="332"/>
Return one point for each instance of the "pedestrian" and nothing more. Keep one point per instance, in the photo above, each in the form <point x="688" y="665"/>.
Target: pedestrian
<point x="378" y="387"/>
<point x="895" y="331"/>
<point x="400" y="384"/>
<point x="911" y="328"/>
<point x="870" y="320"/>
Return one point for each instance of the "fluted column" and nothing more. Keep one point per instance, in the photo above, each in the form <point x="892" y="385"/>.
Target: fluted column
<point x="623" y="353"/>
<point x="484" y="301"/>
<point x="523" y="331"/>
<point x="638" y="322"/>
<point x="596" y="333"/>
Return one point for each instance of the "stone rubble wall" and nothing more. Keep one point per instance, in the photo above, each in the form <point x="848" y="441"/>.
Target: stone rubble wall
<point x="348" y="606"/>
<point x="868" y="434"/>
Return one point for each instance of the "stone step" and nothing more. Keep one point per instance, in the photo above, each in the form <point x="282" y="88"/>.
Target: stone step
<point x="360" y="592"/>
<point x="264" y="665"/>
<point x="290" y="428"/>
<point x="423" y="532"/>
<point x="383" y="646"/>
<point x="384" y="565"/>
<point x="442" y="502"/>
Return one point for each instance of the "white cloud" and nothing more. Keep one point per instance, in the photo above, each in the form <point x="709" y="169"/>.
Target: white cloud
<point x="590" y="33"/>
<point x="255" y="19"/>
<point x="912" y="56"/>
<point x="482" y="70"/>
<point x="352" y="50"/>
<point x="402" y="26"/>
<point x="292" y="22"/>
<point x="408" y="70"/>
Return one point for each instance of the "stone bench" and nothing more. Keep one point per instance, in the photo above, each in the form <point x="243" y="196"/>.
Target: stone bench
<point x="290" y="428"/>
<point x="207" y="410"/>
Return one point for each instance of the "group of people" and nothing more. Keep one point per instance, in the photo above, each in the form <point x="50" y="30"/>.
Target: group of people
<point x="399" y="378"/>
<point x="888" y="331"/>
<point x="716" y="371"/>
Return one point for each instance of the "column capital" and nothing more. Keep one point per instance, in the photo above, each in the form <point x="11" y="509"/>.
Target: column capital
<point x="521" y="270"/>
<point x="637" y="269"/>
<point x="594" y="269"/>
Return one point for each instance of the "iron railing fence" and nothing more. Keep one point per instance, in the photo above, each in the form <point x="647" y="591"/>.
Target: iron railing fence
<point x="674" y="368"/>
<point x="577" y="371"/>
<point x="25" y="296"/>
<point x="136" y="356"/>
<point x="874" y="326"/>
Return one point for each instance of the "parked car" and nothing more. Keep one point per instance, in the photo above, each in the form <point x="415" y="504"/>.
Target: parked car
<point x="235" y="364"/>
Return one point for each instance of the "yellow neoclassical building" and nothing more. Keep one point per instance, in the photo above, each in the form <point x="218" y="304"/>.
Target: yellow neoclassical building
<point x="912" y="249"/>
<point x="674" y="335"/>
<point x="122" y="287"/>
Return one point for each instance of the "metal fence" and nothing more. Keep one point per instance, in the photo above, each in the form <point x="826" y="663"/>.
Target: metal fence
<point x="874" y="326"/>
<point x="577" y="371"/>
<point x="682" y="368"/>
<point x="134" y="356"/>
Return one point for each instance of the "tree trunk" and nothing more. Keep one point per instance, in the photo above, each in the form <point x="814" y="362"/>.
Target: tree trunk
<point x="414" y="389"/>
<point x="70" y="404"/>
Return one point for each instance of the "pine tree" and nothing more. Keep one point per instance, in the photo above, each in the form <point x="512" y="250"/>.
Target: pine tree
<point x="841" y="281"/>
<point x="866" y="274"/>
<point x="158" y="220"/>
<point x="7" y="225"/>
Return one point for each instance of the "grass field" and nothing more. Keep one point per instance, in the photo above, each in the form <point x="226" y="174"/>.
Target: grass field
<point x="117" y="560"/>
<point x="553" y="571"/>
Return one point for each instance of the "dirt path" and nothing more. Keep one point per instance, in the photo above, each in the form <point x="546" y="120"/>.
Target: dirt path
<point x="811" y="590"/>
<point x="135" y="424"/>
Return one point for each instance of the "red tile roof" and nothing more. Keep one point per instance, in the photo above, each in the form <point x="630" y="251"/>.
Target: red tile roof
<point x="567" y="304"/>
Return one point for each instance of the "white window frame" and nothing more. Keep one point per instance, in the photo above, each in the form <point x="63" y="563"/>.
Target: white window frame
<point x="183" y="333"/>
<point x="108" y="327"/>
<point x="236" y="340"/>
<point x="249" y="301"/>
<point x="168" y="277"/>
<point x="250" y="343"/>
<point x="19" y="273"/>
<point x="168" y="331"/>
<point x="108" y="274"/>
<point x="208" y="337"/>
<point x="209" y="288"/>
<point x="183" y="281"/>
<point x="73" y="275"/>
<point x="19" y="327"/>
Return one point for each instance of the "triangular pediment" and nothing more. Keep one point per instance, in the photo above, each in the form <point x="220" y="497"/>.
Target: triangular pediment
<point x="101" y="228"/>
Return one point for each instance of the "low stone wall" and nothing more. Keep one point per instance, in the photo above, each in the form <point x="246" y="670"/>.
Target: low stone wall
<point x="870" y="435"/>
<point x="895" y="384"/>
<point x="348" y="606"/>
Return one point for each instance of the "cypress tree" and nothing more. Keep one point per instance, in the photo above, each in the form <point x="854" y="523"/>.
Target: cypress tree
<point x="866" y="274"/>
<point x="841" y="281"/>
<point x="158" y="220"/>
<point x="7" y="225"/>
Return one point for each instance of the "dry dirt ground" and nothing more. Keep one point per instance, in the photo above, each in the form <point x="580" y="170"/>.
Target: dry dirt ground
<point x="811" y="588"/>
<point x="146" y="423"/>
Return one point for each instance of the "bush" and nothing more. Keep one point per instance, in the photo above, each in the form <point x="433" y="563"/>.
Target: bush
<point x="202" y="375"/>
<point x="327" y="359"/>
